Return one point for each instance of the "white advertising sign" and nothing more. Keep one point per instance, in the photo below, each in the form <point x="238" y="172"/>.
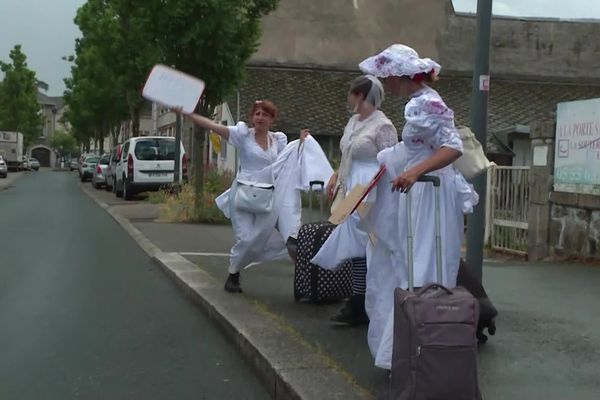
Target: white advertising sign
<point x="173" y="88"/>
<point x="577" y="153"/>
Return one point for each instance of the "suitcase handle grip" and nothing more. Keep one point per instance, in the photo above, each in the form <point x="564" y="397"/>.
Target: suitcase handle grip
<point x="431" y="286"/>
<point x="430" y="178"/>
<point x="313" y="183"/>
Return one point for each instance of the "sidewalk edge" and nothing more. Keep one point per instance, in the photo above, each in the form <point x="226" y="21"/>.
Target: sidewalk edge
<point x="319" y="378"/>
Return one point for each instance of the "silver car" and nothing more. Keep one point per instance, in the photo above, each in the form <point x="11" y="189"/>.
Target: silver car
<point x="99" y="174"/>
<point x="34" y="164"/>
<point x="3" y="168"/>
<point x="88" y="166"/>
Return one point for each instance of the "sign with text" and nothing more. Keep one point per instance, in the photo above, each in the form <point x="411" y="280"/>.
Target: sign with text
<point x="577" y="152"/>
<point x="172" y="88"/>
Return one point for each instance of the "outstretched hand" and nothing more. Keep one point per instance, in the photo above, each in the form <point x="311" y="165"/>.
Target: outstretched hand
<point x="178" y="110"/>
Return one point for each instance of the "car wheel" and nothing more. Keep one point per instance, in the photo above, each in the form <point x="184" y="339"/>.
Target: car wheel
<point x="118" y="193"/>
<point x="126" y="191"/>
<point x="97" y="186"/>
<point x="82" y="178"/>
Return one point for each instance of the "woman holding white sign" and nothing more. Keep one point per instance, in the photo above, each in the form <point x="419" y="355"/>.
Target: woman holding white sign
<point x="263" y="202"/>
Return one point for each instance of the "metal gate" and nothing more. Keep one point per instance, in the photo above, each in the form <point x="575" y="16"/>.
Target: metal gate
<point x="509" y="208"/>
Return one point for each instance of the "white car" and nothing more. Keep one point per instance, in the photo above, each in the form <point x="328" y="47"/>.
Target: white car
<point x="147" y="163"/>
<point x="3" y="168"/>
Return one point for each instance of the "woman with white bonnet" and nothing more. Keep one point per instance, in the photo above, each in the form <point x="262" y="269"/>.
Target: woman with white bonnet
<point x="367" y="132"/>
<point x="430" y="144"/>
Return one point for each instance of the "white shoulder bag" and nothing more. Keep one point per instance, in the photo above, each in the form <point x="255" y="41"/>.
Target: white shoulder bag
<point x="473" y="160"/>
<point x="255" y="197"/>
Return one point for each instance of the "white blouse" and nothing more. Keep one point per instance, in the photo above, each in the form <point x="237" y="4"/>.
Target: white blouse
<point x="254" y="158"/>
<point x="429" y="126"/>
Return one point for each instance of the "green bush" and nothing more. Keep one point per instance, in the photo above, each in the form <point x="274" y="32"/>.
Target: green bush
<point x="181" y="206"/>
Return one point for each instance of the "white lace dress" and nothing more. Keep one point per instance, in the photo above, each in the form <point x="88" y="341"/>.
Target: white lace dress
<point x="255" y="165"/>
<point x="429" y="126"/>
<point x="360" y="144"/>
<point x="261" y="237"/>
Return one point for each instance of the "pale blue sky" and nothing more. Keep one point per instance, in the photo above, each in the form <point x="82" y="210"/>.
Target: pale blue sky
<point x="46" y="30"/>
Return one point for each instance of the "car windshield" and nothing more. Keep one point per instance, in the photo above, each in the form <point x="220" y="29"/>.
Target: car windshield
<point x="155" y="149"/>
<point x="104" y="160"/>
<point x="91" y="160"/>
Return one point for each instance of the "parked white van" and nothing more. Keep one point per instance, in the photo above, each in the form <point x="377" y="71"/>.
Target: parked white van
<point x="147" y="163"/>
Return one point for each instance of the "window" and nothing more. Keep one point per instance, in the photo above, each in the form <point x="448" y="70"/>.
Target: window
<point x="155" y="150"/>
<point x="125" y="151"/>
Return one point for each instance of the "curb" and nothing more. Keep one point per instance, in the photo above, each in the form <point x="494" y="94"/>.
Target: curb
<point x="289" y="366"/>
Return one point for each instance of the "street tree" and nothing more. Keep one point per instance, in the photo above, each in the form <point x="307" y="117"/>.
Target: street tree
<point x="212" y="40"/>
<point x="94" y="93"/>
<point x="63" y="143"/>
<point x="19" y="108"/>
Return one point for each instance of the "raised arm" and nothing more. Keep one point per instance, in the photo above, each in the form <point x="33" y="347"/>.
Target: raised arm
<point x="207" y="123"/>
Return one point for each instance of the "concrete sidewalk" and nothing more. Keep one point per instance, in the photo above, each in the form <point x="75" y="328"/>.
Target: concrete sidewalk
<point x="11" y="177"/>
<point x="547" y="345"/>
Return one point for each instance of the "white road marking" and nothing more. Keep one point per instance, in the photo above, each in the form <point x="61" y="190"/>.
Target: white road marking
<point x="356" y="4"/>
<point x="186" y="253"/>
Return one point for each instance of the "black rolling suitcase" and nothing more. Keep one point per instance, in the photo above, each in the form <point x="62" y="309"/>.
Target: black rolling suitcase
<point x="312" y="282"/>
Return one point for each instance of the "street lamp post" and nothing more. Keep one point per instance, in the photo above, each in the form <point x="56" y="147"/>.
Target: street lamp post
<point x="479" y="124"/>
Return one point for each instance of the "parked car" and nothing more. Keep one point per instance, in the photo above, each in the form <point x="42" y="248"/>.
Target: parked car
<point x="74" y="164"/>
<point x="82" y="159"/>
<point x="147" y="163"/>
<point x="99" y="174"/>
<point x="115" y="155"/>
<point x="34" y="164"/>
<point x="87" y="167"/>
<point x="24" y="164"/>
<point x="3" y="168"/>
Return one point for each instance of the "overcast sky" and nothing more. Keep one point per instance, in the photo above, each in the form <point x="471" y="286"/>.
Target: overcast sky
<point x="46" y="30"/>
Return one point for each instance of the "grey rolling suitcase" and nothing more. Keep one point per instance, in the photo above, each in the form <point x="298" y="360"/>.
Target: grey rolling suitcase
<point x="435" y="346"/>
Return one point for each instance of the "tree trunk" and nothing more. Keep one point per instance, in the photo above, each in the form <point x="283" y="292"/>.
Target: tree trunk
<point x="199" y="142"/>
<point x="115" y="136"/>
<point x="198" y="164"/>
<point x="135" y="121"/>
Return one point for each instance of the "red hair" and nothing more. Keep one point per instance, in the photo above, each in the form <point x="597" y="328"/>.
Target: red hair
<point x="427" y="77"/>
<point x="265" y="105"/>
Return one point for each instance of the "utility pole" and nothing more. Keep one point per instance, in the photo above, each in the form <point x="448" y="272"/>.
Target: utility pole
<point x="479" y="125"/>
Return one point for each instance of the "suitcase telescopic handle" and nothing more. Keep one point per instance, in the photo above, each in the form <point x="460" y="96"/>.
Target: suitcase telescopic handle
<point x="435" y="180"/>
<point x="311" y="184"/>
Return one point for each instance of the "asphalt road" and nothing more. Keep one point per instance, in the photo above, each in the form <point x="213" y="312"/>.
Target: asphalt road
<point x="85" y="314"/>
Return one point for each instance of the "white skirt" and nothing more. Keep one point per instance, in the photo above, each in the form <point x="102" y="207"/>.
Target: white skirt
<point x="347" y="240"/>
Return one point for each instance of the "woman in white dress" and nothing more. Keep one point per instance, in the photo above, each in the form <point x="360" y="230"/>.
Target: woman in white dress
<point x="430" y="144"/>
<point x="367" y="132"/>
<point x="259" y="149"/>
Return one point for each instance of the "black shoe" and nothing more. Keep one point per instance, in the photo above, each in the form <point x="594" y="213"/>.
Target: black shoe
<point x="232" y="284"/>
<point x="487" y="319"/>
<point x="292" y="248"/>
<point x="353" y="312"/>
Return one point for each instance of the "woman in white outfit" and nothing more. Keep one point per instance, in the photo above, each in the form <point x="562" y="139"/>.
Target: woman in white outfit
<point x="368" y="132"/>
<point x="258" y="151"/>
<point x="430" y="144"/>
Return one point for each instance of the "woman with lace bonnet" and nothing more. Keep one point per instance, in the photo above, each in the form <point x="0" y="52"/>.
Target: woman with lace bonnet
<point x="430" y="144"/>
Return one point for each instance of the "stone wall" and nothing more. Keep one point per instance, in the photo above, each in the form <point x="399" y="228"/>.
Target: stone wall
<point x="338" y="34"/>
<point x="561" y="225"/>
<point x="537" y="49"/>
